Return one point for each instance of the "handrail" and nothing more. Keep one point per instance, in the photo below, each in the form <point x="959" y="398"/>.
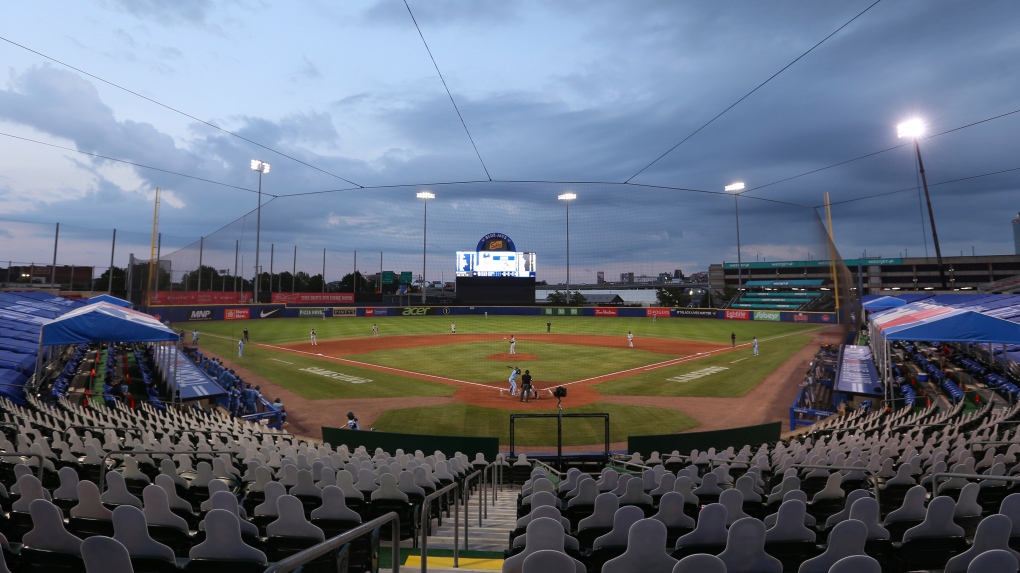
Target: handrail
<point x="630" y="463"/>
<point x="294" y="561"/>
<point x="102" y="466"/>
<point x="559" y="475"/>
<point x="426" y="508"/>
<point x="26" y="454"/>
<point x="873" y="473"/>
<point x="467" y="500"/>
<point x="67" y="430"/>
<point x="935" y="479"/>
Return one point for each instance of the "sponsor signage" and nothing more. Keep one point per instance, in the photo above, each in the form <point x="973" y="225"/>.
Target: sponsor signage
<point x="857" y="373"/>
<point x="417" y="311"/>
<point x="200" y="314"/>
<point x="801" y="264"/>
<point x="560" y="311"/>
<point x="377" y="311"/>
<point x="496" y="242"/>
<point x="313" y="297"/>
<point x="270" y="312"/>
<point x="236" y="314"/>
<point x="304" y="312"/>
<point x="657" y="312"/>
<point x="826" y="318"/>
<point x="605" y="312"/>
<point x="346" y="311"/>
<point x="800" y="317"/>
<point x="196" y="298"/>
<point x="738" y="315"/>
<point x="697" y="312"/>
<point x="772" y="315"/>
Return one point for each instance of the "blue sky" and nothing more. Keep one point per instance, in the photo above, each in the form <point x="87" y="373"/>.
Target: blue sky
<point x="569" y="91"/>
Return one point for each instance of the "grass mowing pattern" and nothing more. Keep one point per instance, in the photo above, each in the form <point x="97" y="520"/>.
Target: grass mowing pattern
<point x="743" y="372"/>
<point x="558" y="363"/>
<point x="470" y="420"/>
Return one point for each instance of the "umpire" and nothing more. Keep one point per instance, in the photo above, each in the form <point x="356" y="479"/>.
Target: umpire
<point x="526" y="386"/>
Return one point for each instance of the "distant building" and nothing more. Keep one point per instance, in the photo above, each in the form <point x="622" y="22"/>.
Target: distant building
<point x="600" y="277"/>
<point x="627" y="278"/>
<point x="1016" y="234"/>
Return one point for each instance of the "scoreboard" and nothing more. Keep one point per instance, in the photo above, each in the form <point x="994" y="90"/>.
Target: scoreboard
<point x="495" y="264"/>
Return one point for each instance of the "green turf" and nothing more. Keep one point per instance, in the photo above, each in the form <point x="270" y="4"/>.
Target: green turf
<point x="280" y="331"/>
<point x="743" y="372"/>
<point x="470" y="420"/>
<point x="285" y="369"/>
<point x="557" y="363"/>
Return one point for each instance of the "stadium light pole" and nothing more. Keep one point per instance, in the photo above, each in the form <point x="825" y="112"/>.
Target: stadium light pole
<point x="262" y="167"/>
<point x="567" y="198"/>
<point x="424" y="196"/>
<point x="914" y="129"/>
<point x="736" y="188"/>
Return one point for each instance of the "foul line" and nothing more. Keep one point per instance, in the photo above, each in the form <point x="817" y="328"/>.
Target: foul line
<point x="284" y="361"/>
<point x="683" y="359"/>
<point x="412" y="374"/>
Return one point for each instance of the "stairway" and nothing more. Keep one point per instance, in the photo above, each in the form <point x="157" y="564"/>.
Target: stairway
<point x="490" y="539"/>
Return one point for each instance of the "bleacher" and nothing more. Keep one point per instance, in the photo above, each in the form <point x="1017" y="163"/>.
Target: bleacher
<point x="778" y="295"/>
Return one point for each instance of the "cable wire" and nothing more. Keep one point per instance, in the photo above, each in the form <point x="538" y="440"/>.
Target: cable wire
<point x="748" y="94"/>
<point x="876" y="195"/>
<point x="175" y="110"/>
<point x="132" y="163"/>
<point x="457" y="109"/>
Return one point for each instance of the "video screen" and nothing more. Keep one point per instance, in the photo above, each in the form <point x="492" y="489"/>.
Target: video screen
<point x="495" y="264"/>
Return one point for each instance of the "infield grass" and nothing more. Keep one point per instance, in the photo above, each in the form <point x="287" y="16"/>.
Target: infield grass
<point x="557" y="363"/>
<point x="742" y="372"/>
<point x="470" y="420"/>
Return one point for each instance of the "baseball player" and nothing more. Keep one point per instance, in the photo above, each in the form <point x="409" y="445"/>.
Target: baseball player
<point x="453" y="328"/>
<point x="630" y="339"/>
<point x="375" y="330"/>
<point x="513" y="345"/>
<point x="513" y="379"/>
<point x="314" y="343"/>
<point x="194" y="337"/>
<point x="526" y="387"/>
<point x="240" y="348"/>
<point x="755" y="343"/>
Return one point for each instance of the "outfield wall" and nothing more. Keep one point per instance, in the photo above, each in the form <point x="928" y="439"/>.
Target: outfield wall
<point x="391" y="442"/>
<point x="719" y="439"/>
<point x="267" y="311"/>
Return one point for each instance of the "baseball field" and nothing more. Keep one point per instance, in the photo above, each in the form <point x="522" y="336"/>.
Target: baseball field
<point x="417" y="376"/>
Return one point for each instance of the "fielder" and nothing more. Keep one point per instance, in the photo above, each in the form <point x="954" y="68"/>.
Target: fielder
<point x="513" y="345"/>
<point x="630" y="339"/>
<point x="314" y="343"/>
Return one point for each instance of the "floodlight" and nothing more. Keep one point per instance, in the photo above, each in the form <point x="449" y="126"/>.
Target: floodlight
<point x="425" y="195"/>
<point x="912" y="128"/>
<point x="260" y="166"/>
<point x="567" y="197"/>
<point x="739" y="185"/>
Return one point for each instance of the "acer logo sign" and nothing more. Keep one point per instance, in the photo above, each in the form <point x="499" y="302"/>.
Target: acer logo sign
<point x="202" y="314"/>
<point x="419" y="311"/>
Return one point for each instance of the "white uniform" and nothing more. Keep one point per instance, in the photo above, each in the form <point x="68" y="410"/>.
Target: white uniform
<point x="630" y="339"/>
<point x="314" y="343"/>
<point x="756" y="347"/>
<point x="453" y="328"/>
<point x="375" y="330"/>
<point x="513" y="345"/>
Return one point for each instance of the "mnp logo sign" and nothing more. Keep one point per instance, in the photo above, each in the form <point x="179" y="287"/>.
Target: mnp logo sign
<point x="738" y="315"/>
<point x="766" y="315"/>
<point x="201" y="314"/>
<point x="417" y="311"/>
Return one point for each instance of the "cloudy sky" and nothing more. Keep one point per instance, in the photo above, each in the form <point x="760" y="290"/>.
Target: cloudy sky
<point x="557" y="96"/>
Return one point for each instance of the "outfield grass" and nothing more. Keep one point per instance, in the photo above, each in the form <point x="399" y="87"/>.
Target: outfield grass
<point x="282" y="331"/>
<point x="743" y="371"/>
<point x="470" y="420"/>
<point x="557" y="363"/>
<point x="284" y="368"/>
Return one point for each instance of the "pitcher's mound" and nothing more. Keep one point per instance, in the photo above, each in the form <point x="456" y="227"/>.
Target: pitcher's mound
<point x="504" y="357"/>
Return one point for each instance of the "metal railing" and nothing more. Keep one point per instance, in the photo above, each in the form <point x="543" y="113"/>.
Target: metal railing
<point x="467" y="499"/>
<point x="334" y="543"/>
<point x="626" y="463"/>
<point x="24" y="455"/>
<point x="874" y="474"/>
<point x="103" y="468"/>
<point x="426" y="509"/>
<point x="935" y="479"/>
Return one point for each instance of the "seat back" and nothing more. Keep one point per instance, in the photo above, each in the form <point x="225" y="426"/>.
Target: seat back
<point x="745" y="548"/>
<point x="334" y="506"/>
<point x="711" y="528"/>
<point x="847" y="538"/>
<point x="274" y="490"/>
<point x="89" y="504"/>
<point x="624" y="517"/>
<point x="105" y="554"/>
<point x="671" y="511"/>
<point x="938" y="521"/>
<point x="700" y="563"/>
<point x="291" y="522"/>
<point x="388" y="489"/>
<point x="223" y="540"/>
<point x="790" y="524"/>
<point x="117" y="493"/>
<point x="48" y="533"/>
<point x="992" y="533"/>
<point x="646" y="550"/>
<point x="866" y="510"/>
<point x="606" y="505"/>
<point x="995" y="561"/>
<point x="129" y="528"/>
<point x="856" y="564"/>
<point x="549" y="561"/>
<point x="586" y="493"/>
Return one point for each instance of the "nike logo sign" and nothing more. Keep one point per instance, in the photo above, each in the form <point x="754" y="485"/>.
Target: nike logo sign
<point x="265" y="313"/>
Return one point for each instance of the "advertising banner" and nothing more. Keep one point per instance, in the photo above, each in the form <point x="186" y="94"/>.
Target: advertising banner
<point x="800" y="317"/>
<point x="311" y="312"/>
<point x="417" y="311"/>
<point x="697" y="312"/>
<point x="347" y="311"/>
<point x="200" y="314"/>
<point x="605" y="312"/>
<point x="772" y="315"/>
<point x="236" y="313"/>
<point x="313" y="298"/>
<point x="381" y="311"/>
<point x="272" y="312"/>
<point x="738" y="315"/>
<point x="195" y="298"/>
<point x="663" y="312"/>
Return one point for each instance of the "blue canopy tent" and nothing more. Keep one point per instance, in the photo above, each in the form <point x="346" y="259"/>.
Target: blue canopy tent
<point x="110" y="299"/>
<point x="883" y="303"/>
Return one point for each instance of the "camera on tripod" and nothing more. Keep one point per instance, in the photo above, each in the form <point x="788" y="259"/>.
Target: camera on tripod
<point x="560" y="392"/>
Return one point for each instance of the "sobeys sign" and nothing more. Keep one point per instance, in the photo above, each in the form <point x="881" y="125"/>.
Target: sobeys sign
<point x="772" y="315"/>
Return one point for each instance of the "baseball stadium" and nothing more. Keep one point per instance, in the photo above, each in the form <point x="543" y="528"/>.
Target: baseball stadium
<point x="451" y="328"/>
